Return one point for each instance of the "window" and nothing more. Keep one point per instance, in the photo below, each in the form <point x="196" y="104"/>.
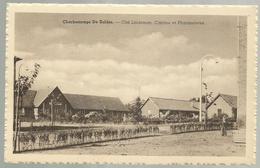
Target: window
<point x="219" y="112"/>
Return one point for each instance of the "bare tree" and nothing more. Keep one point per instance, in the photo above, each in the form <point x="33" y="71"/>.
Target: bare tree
<point x="25" y="81"/>
<point x="22" y="85"/>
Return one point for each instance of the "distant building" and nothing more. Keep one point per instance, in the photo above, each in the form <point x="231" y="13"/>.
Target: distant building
<point x="223" y="104"/>
<point x="161" y="107"/>
<point x="114" y="109"/>
<point x="42" y="104"/>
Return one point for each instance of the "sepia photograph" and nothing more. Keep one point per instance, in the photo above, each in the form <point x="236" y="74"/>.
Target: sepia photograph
<point x="129" y="84"/>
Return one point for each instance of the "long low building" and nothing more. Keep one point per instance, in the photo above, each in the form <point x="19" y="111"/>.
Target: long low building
<point x="155" y="107"/>
<point x="52" y="103"/>
<point x="163" y="108"/>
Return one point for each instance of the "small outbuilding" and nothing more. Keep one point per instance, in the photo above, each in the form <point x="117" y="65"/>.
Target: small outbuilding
<point x="223" y="104"/>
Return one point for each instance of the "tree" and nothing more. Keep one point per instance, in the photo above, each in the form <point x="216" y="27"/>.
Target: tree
<point x="206" y="99"/>
<point x="135" y="108"/>
<point x="209" y="97"/>
<point x="25" y="81"/>
<point x="197" y="99"/>
<point x="22" y="85"/>
<point x="94" y="116"/>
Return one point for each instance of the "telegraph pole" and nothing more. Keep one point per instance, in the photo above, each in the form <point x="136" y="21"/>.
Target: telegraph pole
<point x="15" y="103"/>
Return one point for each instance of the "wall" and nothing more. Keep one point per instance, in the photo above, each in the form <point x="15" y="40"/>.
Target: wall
<point x="150" y="109"/>
<point x="220" y="103"/>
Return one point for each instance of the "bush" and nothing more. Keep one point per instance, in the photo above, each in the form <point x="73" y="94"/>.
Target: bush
<point x="216" y="118"/>
<point x="196" y="126"/>
<point x="147" y="120"/>
<point x="94" y="117"/>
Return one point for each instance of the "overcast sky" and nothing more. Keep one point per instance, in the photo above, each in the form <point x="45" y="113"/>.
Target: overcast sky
<point x="117" y="59"/>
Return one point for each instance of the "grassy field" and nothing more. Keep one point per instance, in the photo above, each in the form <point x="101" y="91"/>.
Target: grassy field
<point x="187" y="144"/>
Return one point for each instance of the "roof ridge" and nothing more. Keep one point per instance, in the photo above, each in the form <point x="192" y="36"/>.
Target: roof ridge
<point x="88" y="95"/>
<point x="229" y="99"/>
<point x="170" y="99"/>
<point x="227" y="95"/>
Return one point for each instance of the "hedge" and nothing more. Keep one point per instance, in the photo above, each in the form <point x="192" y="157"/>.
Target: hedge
<point x="196" y="126"/>
<point x="60" y="138"/>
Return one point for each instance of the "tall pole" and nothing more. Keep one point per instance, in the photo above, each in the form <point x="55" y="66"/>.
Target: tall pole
<point x="16" y="140"/>
<point x="14" y="107"/>
<point x="200" y="115"/>
<point x="201" y="69"/>
<point x="16" y="59"/>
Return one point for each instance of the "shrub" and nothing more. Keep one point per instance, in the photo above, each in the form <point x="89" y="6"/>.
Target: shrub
<point x="94" y="117"/>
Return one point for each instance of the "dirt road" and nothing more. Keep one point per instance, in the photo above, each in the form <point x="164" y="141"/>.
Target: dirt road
<point x="188" y="144"/>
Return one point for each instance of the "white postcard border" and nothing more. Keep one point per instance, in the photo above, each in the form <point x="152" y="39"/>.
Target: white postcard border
<point x="249" y="11"/>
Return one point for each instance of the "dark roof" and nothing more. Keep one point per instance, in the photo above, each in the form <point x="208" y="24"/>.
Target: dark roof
<point x="41" y="95"/>
<point x="34" y="98"/>
<point x="90" y="102"/>
<point x="175" y="104"/>
<point x="230" y="99"/>
<point x="28" y="98"/>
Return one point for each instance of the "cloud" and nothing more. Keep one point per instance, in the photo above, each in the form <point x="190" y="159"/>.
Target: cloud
<point x="157" y="49"/>
<point x="160" y="65"/>
<point x="38" y="37"/>
<point x="48" y="34"/>
<point x="153" y="49"/>
<point x="96" y="51"/>
<point x="122" y="79"/>
<point x="24" y="54"/>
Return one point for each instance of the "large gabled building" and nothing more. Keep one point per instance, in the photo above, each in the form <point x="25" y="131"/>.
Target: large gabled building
<point x="51" y="103"/>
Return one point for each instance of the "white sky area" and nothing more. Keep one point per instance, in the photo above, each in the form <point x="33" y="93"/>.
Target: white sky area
<point x="118" y="60"/>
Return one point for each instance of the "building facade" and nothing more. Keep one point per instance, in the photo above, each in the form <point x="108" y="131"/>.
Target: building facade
<point x="223" y="105"/>
<point x="111" y="108"/>
<point x="53" y="105"/>
<point x="172" y="109"/>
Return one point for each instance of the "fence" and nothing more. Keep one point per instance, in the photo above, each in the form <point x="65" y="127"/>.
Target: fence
<point x="60" y="138"/>
<point x="193" y="127"/>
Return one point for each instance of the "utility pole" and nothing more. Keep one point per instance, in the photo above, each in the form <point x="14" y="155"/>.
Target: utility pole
<point x="15" y="112"/>
<point x="200" y="114"/>
<point x="16" y="139"/>
<point x="201" y="70"/>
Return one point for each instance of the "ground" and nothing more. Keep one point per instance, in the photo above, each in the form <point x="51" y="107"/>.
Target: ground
<point x="187" y="144"/>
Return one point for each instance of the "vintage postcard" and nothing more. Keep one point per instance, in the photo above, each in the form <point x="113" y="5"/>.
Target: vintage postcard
<point x="130" y="84"/>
